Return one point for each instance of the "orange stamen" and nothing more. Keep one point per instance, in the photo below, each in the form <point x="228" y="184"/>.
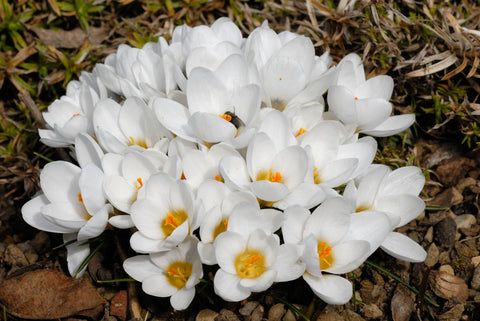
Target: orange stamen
<point x="80" y="199"/>
<point x="301" y="131"/>
<point x="140" y="183"/>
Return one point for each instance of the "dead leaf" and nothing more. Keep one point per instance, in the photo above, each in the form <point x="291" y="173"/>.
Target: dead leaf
<point x="70" y="39"/>
<point x="47" y="294"/>
<point x="448" y="286"/>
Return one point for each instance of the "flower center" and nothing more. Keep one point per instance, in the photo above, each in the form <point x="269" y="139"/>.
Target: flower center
<point x="139" y="142"/>
<point x="221" y="227"/>
<point x="276" y="177"/>
<point x="178" y="273"/>
<point x="250" y="264"/>
<point x="173" y="220"/>
<point x="325" y="256"/>
<point x="139" y="183"/>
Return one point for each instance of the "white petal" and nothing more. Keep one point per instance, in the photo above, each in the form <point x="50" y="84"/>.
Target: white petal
<point x="261" y="283"/>
<point x="341" y="102"/>
<point x="119" y="192"/>
<point x="332" y="289"/>
<point x="234" y="171"/>
<point x="404" y="248"/>
<point x="95" y="225"/>
<point x="287" y="263"/>
<point x="391" y="126"/>
<point x="32" y="215"/>
<point x="211" y="128"/>
<point x="269" y="191"/>
<point x="59" y="181"/>
<point x="173" y="116"/>
<point x="330" y="221"/>
<point x="182" y="299"/>
<point x="292" y="227"/>
<point x="75" y="255"/>
<point x="121" y="221"/>
<point x="228" y="246"/>
<point x="347" y="256"/>
<point x="227" y="286"/>
<point x="372" y="112"/>
<point x="158" y="285"/>
<point x="91" y="187"/>
<point x="140" y="267"/>
<point x="87" y="151"/>
<point x="405" y="207"/>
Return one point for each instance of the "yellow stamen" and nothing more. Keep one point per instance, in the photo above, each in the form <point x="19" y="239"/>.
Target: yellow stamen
<point x="178" y="273"/>
<point x="250" y="264"/>
<point x="139" y="142"/>
<point x="140" y="183"/>
<point x="301" y="131"/>
<point x="316" y="176"/>
<point x="226" y="117"/>
<point x="219" y="178"/>
<point x="221" y="227"/>
<point x="362" y="208"/>
<point x="324" y="255"/>
<point x="173" y="220"/>
<point x="276" y="177"/>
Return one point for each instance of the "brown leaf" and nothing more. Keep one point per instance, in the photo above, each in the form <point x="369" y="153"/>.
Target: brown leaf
<point x="71" y="38"/>
<point x="448" y="286"/>
<point x="46" y="294"/>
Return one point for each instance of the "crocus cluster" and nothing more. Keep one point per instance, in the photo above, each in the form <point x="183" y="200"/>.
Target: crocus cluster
<point x="220" y="150"/>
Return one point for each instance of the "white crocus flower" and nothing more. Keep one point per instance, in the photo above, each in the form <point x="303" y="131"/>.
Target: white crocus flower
<point x="143" y="73"/>
<point x="394" y="193"/>
<point x="131" y="125"/>
<point x="335" y="163"/>
<point x="171" y="274"/>
<point x="200" y="165"/>
<point x="125" y="176"/>
<point x="164" y="214"/>
<point x="288" y="70"/>
<point x="70" y="115"/>
<point x="251" y="258"/>
<point x="218" y="203"/>
<point x="364" y="103"/>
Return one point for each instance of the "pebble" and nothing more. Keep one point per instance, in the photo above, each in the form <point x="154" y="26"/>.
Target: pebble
<point x="432" y="255"/>
<point x="118" y="305"/>
<point x="227" y="315"/>
<point x="465" y="221"/>
<point x="276" y="312"/>
<point x="257" y="314"/>
<point x="447" y="269"/>
<point x="371" y="311"/>
<point x="14" y="256"/>
<point x="445" y="232"/>
<point x="475" y="284"/>
<point x="476" y="261"/>
<point x="206" y="315"/>
<point x="289" y="316"/>
<point x="429" y="235"/>
<point x="248" y="308"/>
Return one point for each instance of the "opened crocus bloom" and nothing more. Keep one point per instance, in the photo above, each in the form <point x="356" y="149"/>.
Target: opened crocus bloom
<point x="171" y="274"/>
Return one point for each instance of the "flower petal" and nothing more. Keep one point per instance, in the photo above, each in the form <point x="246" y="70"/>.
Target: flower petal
<point x="332" y="289"/>
<point x="227" y="286"/>
<point x="404" y="248"/>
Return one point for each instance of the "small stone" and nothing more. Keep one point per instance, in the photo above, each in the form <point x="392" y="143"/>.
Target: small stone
<point x="465" y="221"/>
<point x="445" y="232"/>
<point x="206" y="315"/>
<point x="444" y="258"/>
<point x="476" y="261"/>
<point x="432" y="255"/>
<point x="447" y="269"/>
<point x="402" y="307"/>
<point x="352" y="316"/>
<point x="257" y="314"/>
<point x="475" y="284"/>
<point x="118" y="305"/>
<point x="14" y="256"/>
<point x="371" y="311"/>
<point x="276" y="312"/>
<point x="289" y="316"/>
<point x="227" y="315"/>
<point x="429" y="235"/>
<point x="329" y="315"/>
<point x="248" y="308"/>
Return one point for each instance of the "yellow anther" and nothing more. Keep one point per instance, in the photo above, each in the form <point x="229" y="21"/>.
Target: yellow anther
<point x="324" y="255"/>
<point x="301" y="131"/>
<point x="178" y="273"/>
<point x="140" y="183"/>
<point x="362" y="208"/>
<point x="219" y="178"/>
<point x="173" y="220"/>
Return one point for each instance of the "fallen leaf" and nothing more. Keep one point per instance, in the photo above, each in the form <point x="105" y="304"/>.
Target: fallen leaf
<point x="47" y="294"/>
<point x="70" y="38"/>
<point x="448" y="286"/>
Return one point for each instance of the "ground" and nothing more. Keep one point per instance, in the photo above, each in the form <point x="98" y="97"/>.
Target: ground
<point x="431" y="49"/>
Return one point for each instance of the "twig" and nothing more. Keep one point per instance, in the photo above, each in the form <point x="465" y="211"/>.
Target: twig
<point x="28" y="101"/>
